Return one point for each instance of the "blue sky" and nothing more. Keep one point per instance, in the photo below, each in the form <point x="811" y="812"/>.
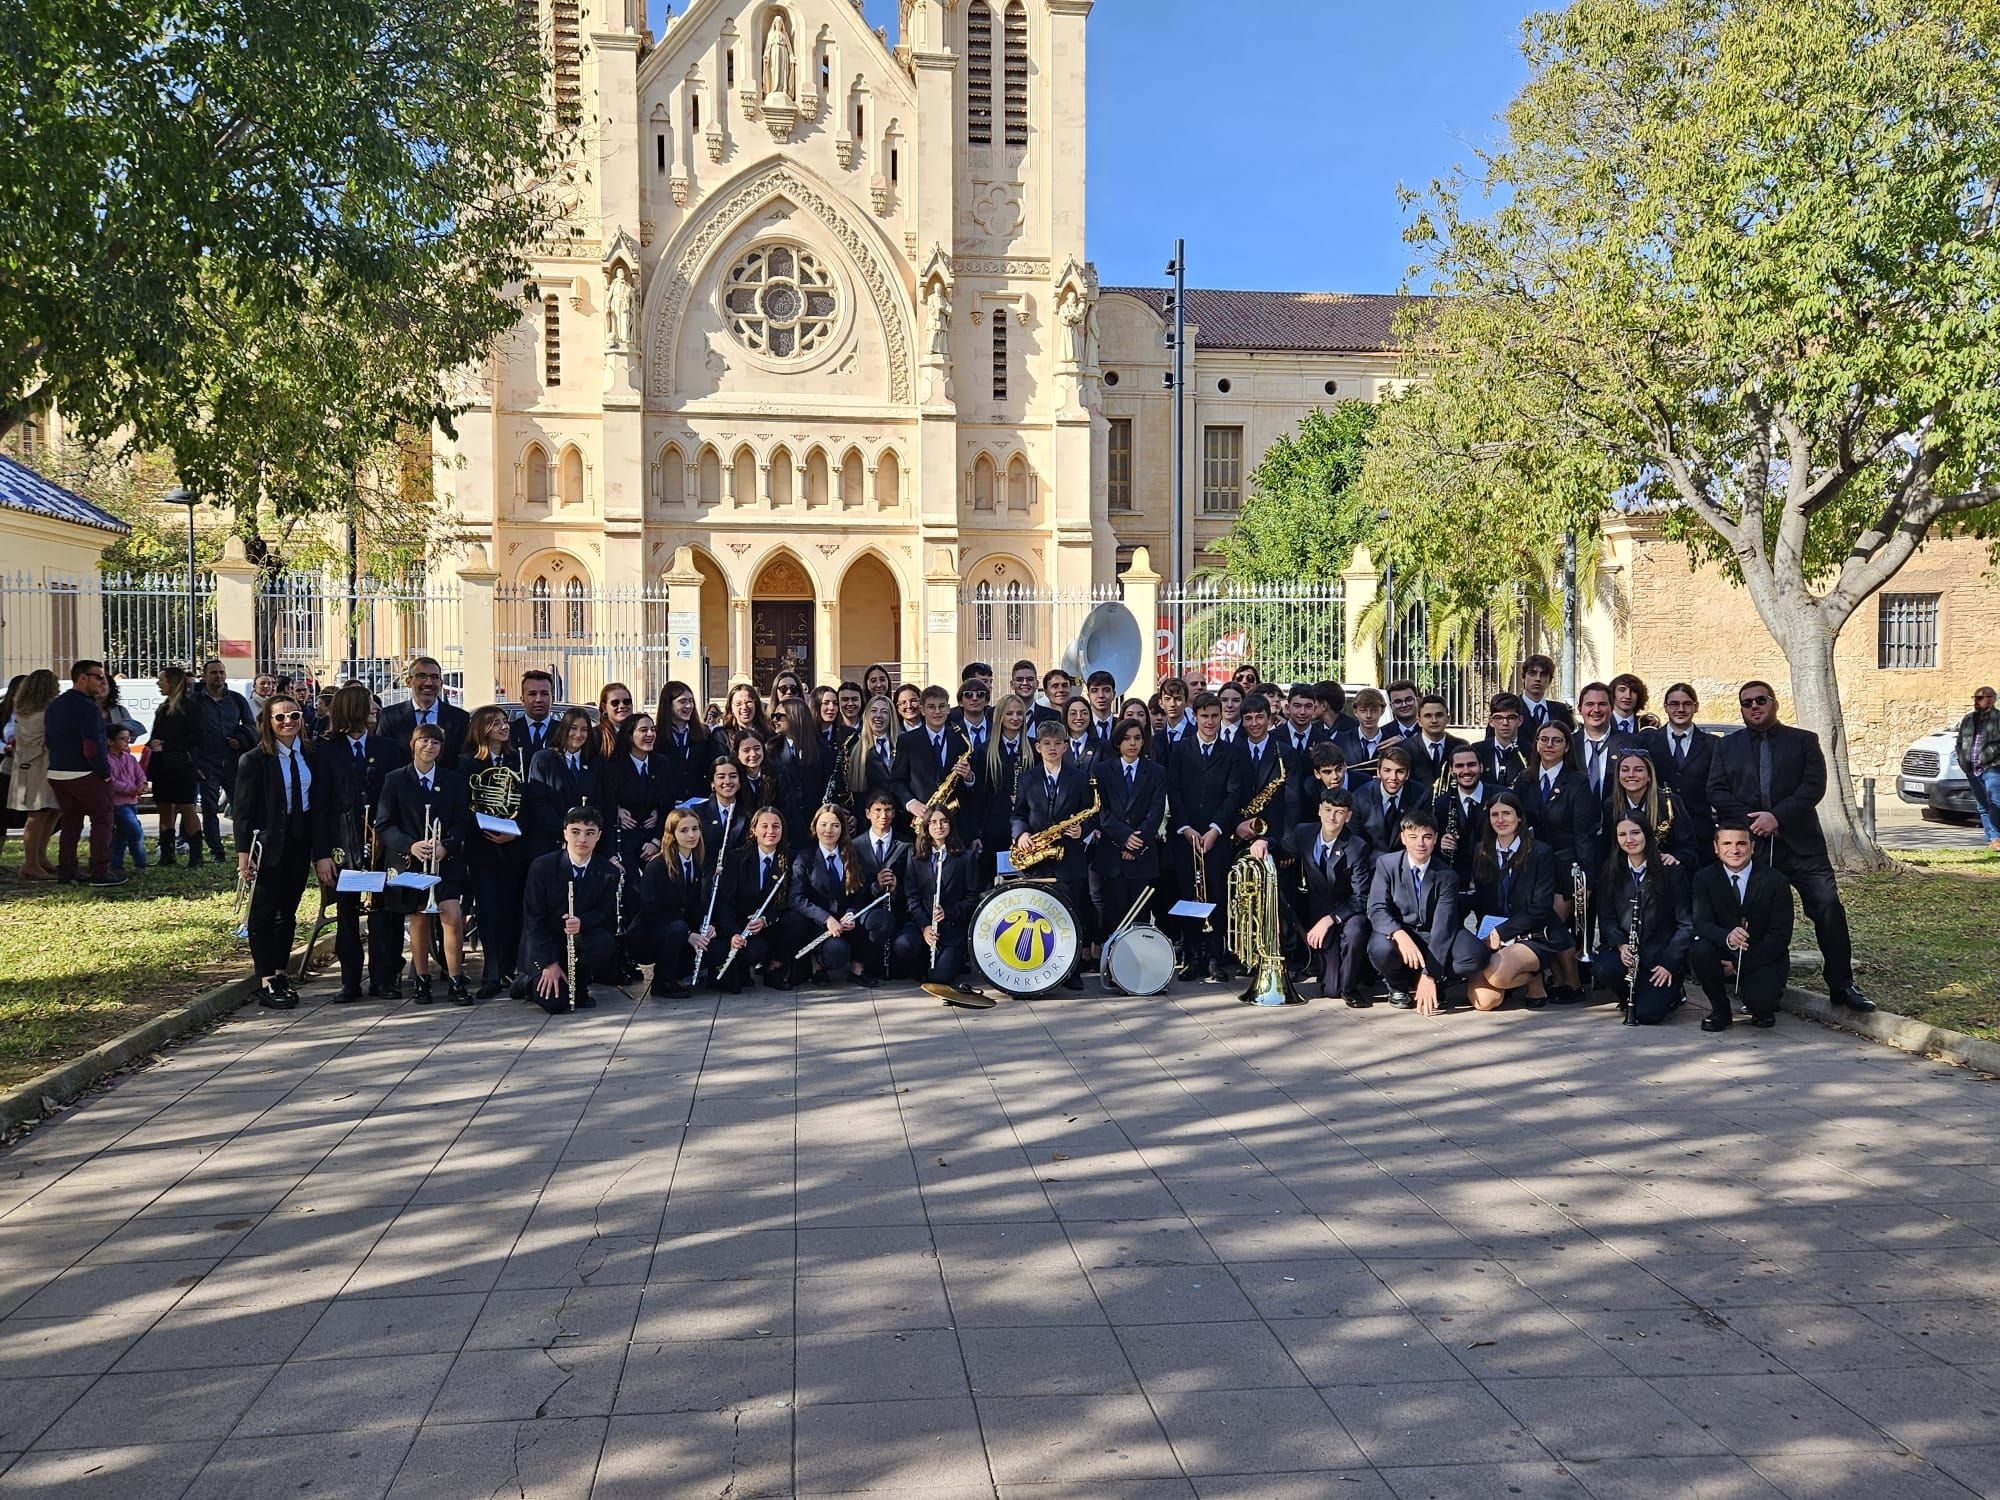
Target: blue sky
<point x="1344" y="99"/>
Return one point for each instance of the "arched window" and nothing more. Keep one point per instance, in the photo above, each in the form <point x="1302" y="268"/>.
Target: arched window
<point x="1017" y="75"/>
<point x="673" y="476"/>
<point x="819" y="480"/>
<point x="573" y="621"/>
<point x="888" y="481"/>
<point x="1017" y="612"/>
<point x="538" y="609"/>
<point x="781" y="477"/>
<point x="982" y="610"/>
<point x="979" y="74"/>
<point x="982" y="483"/>
<point x="743" y="477"/>
<point x="535" y="475"/>
<point x="708" y="477"/>
<point x="569" y="481"/>
<point x="1020" y="485"/>
<point x="853" y="482"/>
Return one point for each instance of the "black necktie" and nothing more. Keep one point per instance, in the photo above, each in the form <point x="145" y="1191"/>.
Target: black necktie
<point x="1204" y="751"/>
<point x="1256" y="755"/>
<point x="833" y="865"/>
<point x="298" y="797"/>
<point x="937" y="745"/>
<point x="424" y="782"/>
<point x="1437" y="758"/>
<point x="687" y="871"/>
<point x="1052" y="793"/>
<point x="1131" y="780"/>
<point x="1325" y="859"/>
<point x="764" y="872"/>
<point x="1469" y="806"/>
<point x="1680" y="749"/>
<point x="881" y="852"/>
<point x="1737" y="881"/>
<point x="1548" y="785"/>
<point x="1764" y="771"/>
<point x="360" y="756"/>
<point x="1418" y="876"/>
<point x="572" y="762"/>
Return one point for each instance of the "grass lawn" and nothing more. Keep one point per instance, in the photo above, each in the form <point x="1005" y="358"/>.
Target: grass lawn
<point x="77" y="968"/>
<point x="1927" y="937"/>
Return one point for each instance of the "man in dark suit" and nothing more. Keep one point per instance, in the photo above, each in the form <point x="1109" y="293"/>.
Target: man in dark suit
<point x="883" y="860"/>
<point x="1301" y="729"/>
<point x="1537" y="708"/>
<point x="1101" y="688"/>
<point x="1742" y="921"/>
<point x="1335" y="864"/>
<point x="1125" y="858"/>
<point x="1204" y="799"/>
<point x="1365" y="740"/>
<point x="1459" y="808"/>
<point x="1504" y="756"/>
<point x="1264" y="761"/>
<point x="355" y="762"/>
<point x="547" y="926"/>
<point x="1433" y="744"/>
<point x="1773" y="777"/>
<point x="1417" y="945"/>
<point x="1333" y="714"/>
<point x="1379" y="805"/>
<point x="925" y="756"/>
<point x="1598" y="742"/>
<point x="425" y="706"/>
<point x="1051" y="793"/>
<point x="1682" y="755"/>
<point x="534" y="727"/>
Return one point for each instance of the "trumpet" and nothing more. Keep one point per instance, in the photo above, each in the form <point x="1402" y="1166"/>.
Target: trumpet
<point x="1201" y="888"/>
<point x="433" y="838"/>
<point x="246" y="890"/>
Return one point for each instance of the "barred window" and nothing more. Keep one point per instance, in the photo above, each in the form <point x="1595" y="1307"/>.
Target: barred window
<point x="979" y="74"/>
<point x="982" y="610"/>
<point x="538" y="609"/>
<point x="1000" y="354"/>
<point x="1222" y="469"/>
<point x="1017" y="613"/>
<point x="1907" y="637"/>
<point x="573" y="622"/>
<point x="551" y="341"/>
<point x="1017" y="75"/>
<point x="1119" y="455"/>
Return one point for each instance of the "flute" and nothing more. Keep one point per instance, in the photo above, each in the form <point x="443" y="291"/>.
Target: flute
<point x="708" y="917"/>
<point x="809" y="947"/>
<point x="777" y="885"/>
<point x="937" y="910"/>
<point x="569" y="943"/>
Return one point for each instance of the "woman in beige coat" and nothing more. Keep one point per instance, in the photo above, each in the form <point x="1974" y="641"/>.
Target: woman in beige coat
<point x="29" y="792"/>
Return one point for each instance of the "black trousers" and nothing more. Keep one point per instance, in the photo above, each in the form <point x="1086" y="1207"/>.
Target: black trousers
<point x="498" y="875"/>
<point x="1113" y="895"/>
<point x="1811" y="876"/>
<point x="1761" y="986"/>
<point x="1460" y="958"/>
<point x="385" y="942"/>
<point x="596" y="958"/>
<point x="274" y="905"/>
<point x="1201" y="949"/>
<point x="1339" y="962"/>
<point x="673" y="959"/>
<point x="911" y="955"/>
<point x="1651" y="1003"/>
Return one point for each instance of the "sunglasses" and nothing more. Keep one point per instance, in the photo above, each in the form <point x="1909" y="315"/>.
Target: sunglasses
<point x="286" y="718"/>
<point x="1757" y="701"/>
<point x="975" y="693"/>
<point x="621" y="702"/>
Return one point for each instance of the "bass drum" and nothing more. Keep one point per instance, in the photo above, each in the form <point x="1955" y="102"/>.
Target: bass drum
<point x="1139" y="961"/>
<point x="1025" y="937"/>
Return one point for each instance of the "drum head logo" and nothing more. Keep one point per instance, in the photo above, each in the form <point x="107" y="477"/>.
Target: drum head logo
<point x="1024" y="938"/>
<point x="1021" y="940"/>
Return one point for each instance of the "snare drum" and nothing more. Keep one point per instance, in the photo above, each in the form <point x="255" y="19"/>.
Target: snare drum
<point x="1025" y="936"/>
<point x="1139" y="961"/>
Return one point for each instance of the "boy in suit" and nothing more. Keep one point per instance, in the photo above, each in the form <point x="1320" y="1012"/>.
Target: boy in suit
<point x="1048" y="794"/>
<point x="1334" y="867"/>
<point x="1537" y="708"/>
<point x="1459" y="806"/>
<point x="884" y="862"/>
<point x="926" y="755"/>
<point x="1682" y="755"/>
<point x="547" y="926"/>
<point x="1418" y="944"/>
<point x="1204" y="798"/>
<point x="1379" y="807"/>
<point x="1742" y="931"/>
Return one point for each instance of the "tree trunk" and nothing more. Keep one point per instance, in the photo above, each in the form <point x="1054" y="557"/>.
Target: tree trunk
<point x="1808" y="647"/>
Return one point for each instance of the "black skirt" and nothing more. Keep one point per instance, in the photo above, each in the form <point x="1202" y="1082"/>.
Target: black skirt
<point x="173" y="779"/>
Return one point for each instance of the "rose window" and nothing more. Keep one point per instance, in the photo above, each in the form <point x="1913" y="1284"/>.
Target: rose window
<point x="780" y="301"/>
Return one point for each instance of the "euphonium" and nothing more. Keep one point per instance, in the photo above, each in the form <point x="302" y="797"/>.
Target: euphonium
<point x="1253" y="932"/>
<point x="1253" y="809"/>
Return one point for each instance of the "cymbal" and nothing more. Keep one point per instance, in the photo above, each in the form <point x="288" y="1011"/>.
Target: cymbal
<point x="964" y="999"/>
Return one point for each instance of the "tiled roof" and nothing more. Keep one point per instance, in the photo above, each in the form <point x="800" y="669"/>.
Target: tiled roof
<point x="1328" y="322"/>
<point x="21" y="488"/>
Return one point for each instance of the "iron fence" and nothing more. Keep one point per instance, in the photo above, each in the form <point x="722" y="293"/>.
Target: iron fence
<point x="585" y="637"/>
<point x="328" y="629"/>
<point x="1291" y="632"/>
<point x="1465" y="684"/>
<point x="1001" y="623"/>
<point x="137" y="623"/>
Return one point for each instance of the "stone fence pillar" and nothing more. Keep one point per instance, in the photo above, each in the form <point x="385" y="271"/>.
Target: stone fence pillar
<point x="478" y="659"/>
<point x="683" y="585"/>
<point x="941" y="589"/>
<point x="1361" y="586"/>
<point x="1142" y="597"/>
<point x="236" y="610"/>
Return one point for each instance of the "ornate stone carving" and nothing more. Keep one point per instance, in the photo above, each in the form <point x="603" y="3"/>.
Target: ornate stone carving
<point x="712" y="137"/>
<point x="778" y="59"/>
<point x="843" y="150"/>
<point x="827" y="549"/>
<point x="620" y="320"/>
<point x="879" y="197"/>
<point x="729" y="212"/>
<point x="1012" y="267"/>
<point x="783" y="578"/>
<point x="739" y="548"/>
<point x="996" y="209"/>
<point x="680" y="187"/>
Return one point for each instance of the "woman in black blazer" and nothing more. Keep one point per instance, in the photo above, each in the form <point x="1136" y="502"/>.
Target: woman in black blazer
<point x="421" y="791"/>
<point x="1651" y="966"/>
<point x="1125" y="857"/>
<point x="1010" y="750"/>
<point x="826" y="893"/>
<point x="683" y="744"/>
<point x="870" y="756"/>
<point x="724" y="813"/>
<point x="275" y="810"/>
<point x="943" y="882"/>
<point x="561" y="776"/>
<point x="1638" y="790"/>
<point x="633" y="782"/>
<point x="683" y="910"/>
<point x="1514" y="882"/>
<point x="1566" y="818"/>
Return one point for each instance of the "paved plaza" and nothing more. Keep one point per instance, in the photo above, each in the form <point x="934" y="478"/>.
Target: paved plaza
<point x="835" y="1243"/>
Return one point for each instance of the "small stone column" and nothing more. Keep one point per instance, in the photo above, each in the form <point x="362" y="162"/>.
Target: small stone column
<point x="826" y="643"/>
<point x="1142" y="597"/>
<point x="236" y="610"/>
<point x="684" y="645"/>
<point x="941" y="620"/>
<point x="479" y="659"/>
<point x="1361" y="582"/>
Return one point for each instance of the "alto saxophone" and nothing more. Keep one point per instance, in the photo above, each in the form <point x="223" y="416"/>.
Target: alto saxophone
<point x="1047" y="844"/>
<point x="939" y="797"/>
<point x="1253" y="809"/>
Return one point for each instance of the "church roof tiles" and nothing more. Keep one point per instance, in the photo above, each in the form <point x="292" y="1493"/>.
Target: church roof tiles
<point x="1328" y="322"/>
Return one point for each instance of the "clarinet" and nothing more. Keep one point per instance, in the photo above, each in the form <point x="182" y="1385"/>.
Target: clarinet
<point x="1632" y="974"/>
<point x="708" y="917"/>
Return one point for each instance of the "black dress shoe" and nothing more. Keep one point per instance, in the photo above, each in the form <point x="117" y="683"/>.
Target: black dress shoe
<point x="1194" y="973"/>
<point x="1074" y="981"/>
<point x="669" y="992"/>
<point x="390" y="991"/>
<point x="1358" y="1002"/>
<point x="422" y="989"/>
<point x="1535" y="1002"/>
<point x="864" y="981"/>
<point x="1715" y="1023"/>
<point x="1851" y="997"/>
<point x="349" y="993"/>
<point x="1764" y="1023"/>
<point x="491" y="988"/>
<point x="461" y="992"/>
<point x="1402" y="1000"/>
<point x="289" y="985"/>
<point x="273" y="997"/>
<point x="584" y="999"/>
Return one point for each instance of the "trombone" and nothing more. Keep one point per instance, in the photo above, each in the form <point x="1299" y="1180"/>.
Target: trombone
<point x="246" y="890"/>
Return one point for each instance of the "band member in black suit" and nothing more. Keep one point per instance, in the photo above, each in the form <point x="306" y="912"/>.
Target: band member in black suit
<point x="1514" y="882"/>
<point x="1056" y="689"/>
<point x="1742" y="921"/>
<point x="574" y="871"/>
<point x="535" y="727"/>
<point x="1404" y="701"/>
<point x="1416" y="943"/>
<point x="1366" y="739"/>
<point x="1682" y="754"/>
<point x="725" y="815"/>
<point x="1009" y="752"/>
<point x="1176" y="719"/>
<point x="1380" y="805"/>
<point x="637" y="792"/>
<point x="1638" y="792"/>
<point x="884" y="858"/>
<point x="1504" y="758"/>
<point x="762" y="785"/>
<point x="355" y="762"/>
<point x="934" y="938"/>
<point x="1537" y="708"/>
<point x="1561" y="808"/>
<point x="809" y="778"/>
<point x="560" y="777"/>
<point x="496" y="862"/>
<point x="1432" y="745"/>
<point x="1125" y="856"/>
<point x="681" y="905"/>
<point x="925" y="756"/>
<point x="757" y="893"/>
<point x="1628" y="706"/>
<point x="973" y="716"/>
<point x="1051" y="793"/>
<point x="1082" y="749"/>
<point x="425" y="706"/>
<point x="1333" y="714"/>
<point x="1459" y="806"/>
<point x="1596" y="745"/>
<point x="683" y="744"/>
<point x="277" y="802"/>
<point x="1651" y="967"/>
<point x="1204" y="799"/>
<point x="1773" y="777"/>
<point x="870" y="757"/>
<point x="421" y="822"/>
<point x="742" y="714"/>
<point x="1300" y="731"/>
<point x="827" y="895"/>
<point x="1335" y="864"/>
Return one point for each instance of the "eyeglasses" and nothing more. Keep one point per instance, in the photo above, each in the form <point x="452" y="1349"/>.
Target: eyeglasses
<point x="286" y="718"/>
<point x="1757" y="701"/>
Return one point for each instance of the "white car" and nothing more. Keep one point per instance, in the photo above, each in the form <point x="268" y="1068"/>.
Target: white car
<point x="1931" y="777"/>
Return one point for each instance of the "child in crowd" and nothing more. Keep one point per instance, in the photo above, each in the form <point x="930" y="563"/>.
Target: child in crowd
<point x="128" y="782"/>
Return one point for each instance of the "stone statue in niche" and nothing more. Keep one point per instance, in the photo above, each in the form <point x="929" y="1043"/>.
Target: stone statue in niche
<point x="1073" y="312"/>
<point x="937" y="315"/>
<point x="778" y="60"/>
<point x="620" y="317"/>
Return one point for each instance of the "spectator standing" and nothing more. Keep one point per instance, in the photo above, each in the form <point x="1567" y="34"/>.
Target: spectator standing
<point x="29" y="793"/>
<point x="170" y="761"/>
<point x="7" y="815"/>
<point x="226" y="730"/>
<point x="80" y="773"/>
<point x="1979" y="758"/>
<point x="127" y="775"/>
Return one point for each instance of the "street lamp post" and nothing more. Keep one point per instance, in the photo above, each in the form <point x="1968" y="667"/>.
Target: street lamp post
<point x="1177" y="341"/>
<point x="179" y="496"/>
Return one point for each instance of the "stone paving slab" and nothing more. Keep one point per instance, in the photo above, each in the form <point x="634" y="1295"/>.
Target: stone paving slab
<point x="857" y="1243"/>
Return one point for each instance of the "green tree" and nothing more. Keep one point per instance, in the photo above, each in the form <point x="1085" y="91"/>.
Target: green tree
<point x="254" y="238"/>
<point x="1304" y="518"/>
<point x="1736" y="259"/>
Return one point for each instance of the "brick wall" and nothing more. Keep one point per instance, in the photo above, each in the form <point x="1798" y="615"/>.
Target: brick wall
<point x="1681" y="623"/>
